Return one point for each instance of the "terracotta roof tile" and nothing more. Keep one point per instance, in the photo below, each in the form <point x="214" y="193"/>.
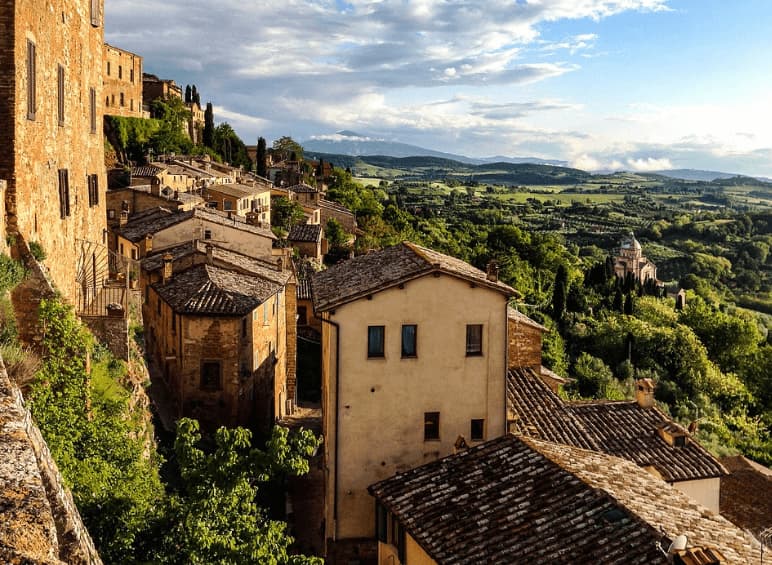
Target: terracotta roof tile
<point x="388" y="267"/>
<point x="746" y="494"/>
<point x="521" y="318"/>
<point x="210" y="290"/>
<point x="516" y="500"/>
<point x="305" y="232"/>
<point x="624" y="429"/>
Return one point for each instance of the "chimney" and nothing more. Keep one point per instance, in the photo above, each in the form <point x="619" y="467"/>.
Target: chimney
<point x="168" y="267"/>
<point x="124" y="219"/>
<point x="493" y="271"/>
<point x="644" y="393"/>
<point x="148" y="243"/>
<point x="209" y="253"/>
<point x="280" y="264"/>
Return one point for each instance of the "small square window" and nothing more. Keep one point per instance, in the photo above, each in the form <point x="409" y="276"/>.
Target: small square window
<point x="431" y="426"/>
<point x="207" y="234"/>
<point x="474" y="339"/>
<point x="478" y="430"/>
<point x="409" y="335"/>
<point x="375" y="339"/>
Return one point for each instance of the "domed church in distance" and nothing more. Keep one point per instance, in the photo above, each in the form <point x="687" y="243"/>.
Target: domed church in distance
<point x="630" y="259"/>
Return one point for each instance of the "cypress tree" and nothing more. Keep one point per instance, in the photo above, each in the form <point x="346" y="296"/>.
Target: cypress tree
<point x="188" y="96"/>
<point x="560" y="293"/>
<point x="208" y="135"/>
<point x="618" y="303"/>
<point x="194" y="96"/>
<point x="260" y="164"/>
<point x="629" y="305"/>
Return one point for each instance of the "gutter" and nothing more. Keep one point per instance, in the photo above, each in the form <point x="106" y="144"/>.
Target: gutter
<point x="336" y="325"/>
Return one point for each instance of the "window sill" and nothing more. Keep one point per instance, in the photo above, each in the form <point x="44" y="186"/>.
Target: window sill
<point x="376" y="357"/>
<point x="409" y="357"/>
<point x="436" y="440"/>
<point x="474" y="354"/>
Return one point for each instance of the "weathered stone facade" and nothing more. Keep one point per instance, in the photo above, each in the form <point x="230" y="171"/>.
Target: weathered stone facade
<point x="39" y="522"/>
<point x="51" y="127"/>
<point x="524" y="341"/>
<point x="122" y="92"/>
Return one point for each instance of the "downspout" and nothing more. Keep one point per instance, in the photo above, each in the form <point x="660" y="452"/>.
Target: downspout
<point x="506" y="362"/>
<point x="336" y="325"/>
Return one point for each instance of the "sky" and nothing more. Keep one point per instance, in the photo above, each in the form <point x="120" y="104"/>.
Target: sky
<point x="602" y="84"/>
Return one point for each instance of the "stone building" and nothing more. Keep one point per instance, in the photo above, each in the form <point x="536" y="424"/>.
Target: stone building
<point x="122" y="91"/>
<point x="154" y="88"/>
<point x="242" y="200"/>
<point x="220" y="329"/>
<point x="414" y="355"/>
<point x="196" y="122"/>
<point x="309" y="240"/>
<point x="630" y="260"/>
<point x="52" y="156"/>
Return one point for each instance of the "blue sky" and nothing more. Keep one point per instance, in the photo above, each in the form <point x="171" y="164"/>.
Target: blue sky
<point x="601" y="84"/>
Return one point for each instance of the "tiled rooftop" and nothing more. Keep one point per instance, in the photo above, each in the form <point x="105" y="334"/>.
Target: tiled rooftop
<point x="156" y="219"/>
<point x="146" y="171"/>
<point x="624" y="429"/>
<point x="266" y="268"/>
<point x="214" y="291"/>
<point x="746" y="494"/>
<point x="519" y="500"/>
<point x="389" y="267"/>
<point x="521" y="318"/>
<point x="323" y="203"/>
<point x="237" y="190"/>
<point x="302" y="187"/>
<point x="306" y="233"/>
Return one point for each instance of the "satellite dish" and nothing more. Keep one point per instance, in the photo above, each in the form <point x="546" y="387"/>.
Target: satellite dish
<point x="679" y="544"/>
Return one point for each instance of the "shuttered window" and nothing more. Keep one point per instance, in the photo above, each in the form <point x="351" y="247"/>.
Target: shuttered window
<point x="60" y="94"/>
<point x="31" y="84"/>
<point x="64" y="193"/>
<point x="95" y="19"/>
<point x="93" y="109"/>
<point x="93" y="190"/>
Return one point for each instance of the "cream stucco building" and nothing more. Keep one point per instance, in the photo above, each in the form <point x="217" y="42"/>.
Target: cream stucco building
<point x="414" y="360"/>
<point x="630" y="260"/>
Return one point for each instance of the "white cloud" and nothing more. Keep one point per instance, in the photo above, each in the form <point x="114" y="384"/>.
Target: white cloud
<point x="649" y="164"/>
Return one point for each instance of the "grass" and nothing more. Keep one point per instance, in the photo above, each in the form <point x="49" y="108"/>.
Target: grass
<point x="104" y="378"/>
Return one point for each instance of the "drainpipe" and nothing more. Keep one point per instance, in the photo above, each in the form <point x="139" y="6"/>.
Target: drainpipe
<point x="506" y="362"/>
<point x="336" y="325"/>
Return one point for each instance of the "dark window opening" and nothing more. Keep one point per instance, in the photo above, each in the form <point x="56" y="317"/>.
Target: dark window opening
<point x="375" y="339"/>
<point x="207" y="234"/>
<point x="64" y="193"/>
<point x="31" y="78"/>
<point x="302" y="316"/>
<point x="122" y="100"/>
<point x="478" y="430"/>
<point x="93" y="109"/>
<point x="409" y="335"/>
<point x="108" y="68"/>
<point x="120" y="71"/>
<point x="474" y="339"/>
<point x="431" y="426"/>
<point x="210" y="375"/>
<point x="60" y="94"/>
<point x="93" y="190"/>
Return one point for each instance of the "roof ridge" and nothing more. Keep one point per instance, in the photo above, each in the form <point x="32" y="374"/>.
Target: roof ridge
<point x="418" y="250"/>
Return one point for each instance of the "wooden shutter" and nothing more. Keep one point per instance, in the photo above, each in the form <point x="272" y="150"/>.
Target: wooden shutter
<point x="64" y="193"/>
<point x="95" y="20"/>
<point x="93" y="109"/>
<point x="60" y="93"/>
<point x="31" y="86"/>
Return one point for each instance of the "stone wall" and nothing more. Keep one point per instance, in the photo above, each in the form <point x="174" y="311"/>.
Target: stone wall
<point x="290" y="308"/>
<point x="39" y="522"/>
<point x="26" y="296"/>
<point x="112" y="331"/>
<point x="36" y="148"/>
<point x="524" y="345"/>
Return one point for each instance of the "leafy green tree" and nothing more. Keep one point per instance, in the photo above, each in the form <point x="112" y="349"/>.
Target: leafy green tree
<point x="285" y="146"/>
<point x="208" y="134"/>
<point x="260" y="162"/>
<point x="594" y="379"/>
<point x="228" y="144"/>
<point x="285" y="213"/>
<point x="216" y="516"/>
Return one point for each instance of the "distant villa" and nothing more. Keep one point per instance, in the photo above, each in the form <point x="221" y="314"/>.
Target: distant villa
<point x="630" y="259"/>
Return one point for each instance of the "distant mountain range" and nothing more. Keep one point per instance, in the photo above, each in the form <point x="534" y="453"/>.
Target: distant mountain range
<point x="355" y="144"/>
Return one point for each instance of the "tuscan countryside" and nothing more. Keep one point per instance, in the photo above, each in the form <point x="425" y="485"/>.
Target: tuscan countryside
<point x="385" y="282"/>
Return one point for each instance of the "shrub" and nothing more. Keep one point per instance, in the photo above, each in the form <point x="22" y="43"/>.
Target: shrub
<point x="37" y="251"/>
<point x="11" y="273"/>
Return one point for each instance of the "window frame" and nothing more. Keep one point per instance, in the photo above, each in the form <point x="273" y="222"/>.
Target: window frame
<point x="206" y="384"/>
<point x="472" y="424"/>
<point x="474" y="347"/>
<point x="64" y="193"/>
<point x="414" y="353"/>
<point x="60" y="94"/>
<point x="31" y="80"/>
<point x="93" y="109"/>
<point x="376" y="347"/>
<point x="93" y="190"/>
<point x="431" y="426"/>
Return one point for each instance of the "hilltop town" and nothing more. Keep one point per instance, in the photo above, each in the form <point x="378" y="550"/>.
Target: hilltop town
<point x="214" y="352"/>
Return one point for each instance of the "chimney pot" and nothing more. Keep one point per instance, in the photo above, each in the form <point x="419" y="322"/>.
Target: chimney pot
<point x="644" y="392"/>
<point x="493" y="271"/>
<point x="280" y="264"/>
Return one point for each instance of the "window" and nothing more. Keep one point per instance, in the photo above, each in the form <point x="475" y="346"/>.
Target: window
<point x="123" y="103"/>
<point x="93" y="190"/>
<point x="95" y="14"/>
<point x="474" y="339"/>
<point x="108" y="68"/>
<point x="409" y="340"/>
<point x="31" y="84"/>
<point x="207" y="234"/>
<point x="131" y="75"/>
<point x="227" y="205"/>
<point x="120" y="71"/>
<point x="478" y="430"/>
<point x="131" y="104"/>
<point x="64" y="193"/>
<point x="375" y="336"/>
<point x="302" y="316"/>
<point x="431" y="426"/>
<point x="107" y="101"/>
<point x="60" y="94"/>
<point x="210" y="375"/>
<point x="92" y="109"/>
